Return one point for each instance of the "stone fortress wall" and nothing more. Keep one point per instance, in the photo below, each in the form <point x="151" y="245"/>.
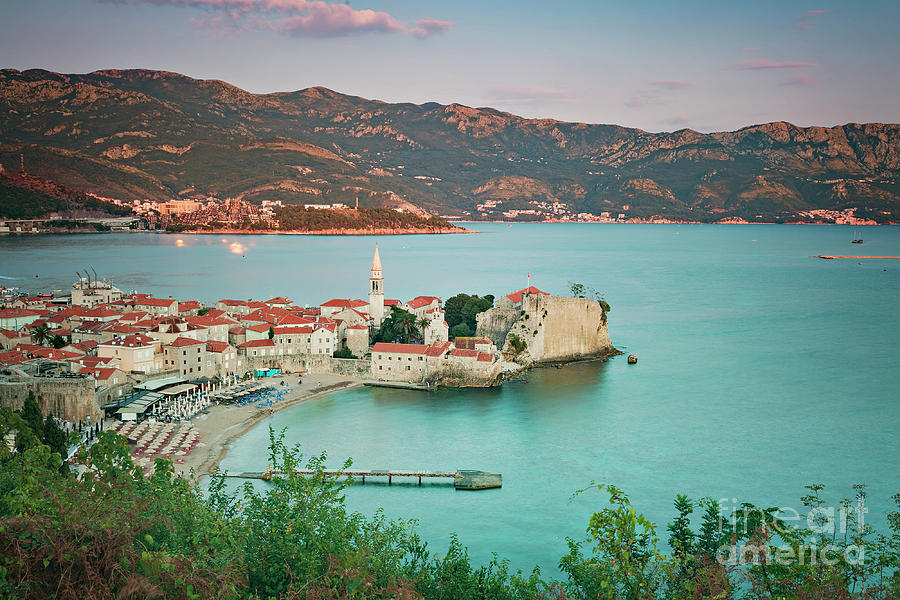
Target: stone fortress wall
<point x="553" y="329"/>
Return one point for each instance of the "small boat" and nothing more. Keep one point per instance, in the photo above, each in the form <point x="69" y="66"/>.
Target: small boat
<point x="856" y="239"/>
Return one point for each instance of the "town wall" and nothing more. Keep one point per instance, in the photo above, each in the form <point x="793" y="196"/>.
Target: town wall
<point x="462" y="375"/>
<point x="72" y="399"/>
<point x="293" y="363"/>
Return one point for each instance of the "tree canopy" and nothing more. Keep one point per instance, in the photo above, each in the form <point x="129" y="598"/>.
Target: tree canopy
<point x="462" y="309"/>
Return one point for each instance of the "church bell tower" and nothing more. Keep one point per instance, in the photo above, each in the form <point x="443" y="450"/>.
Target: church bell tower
<point x="376" y="291"/>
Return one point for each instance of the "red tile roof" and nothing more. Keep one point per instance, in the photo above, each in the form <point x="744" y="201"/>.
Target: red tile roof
<point x="359" y="326"/>
<point x="130" y="341"/>
<point x="464" y="353"/>
<point x="100" y="373"/>
<point x="258" y="343"/>
<point x="420" y="301"/>
<point x="469" y="342"/>
<point x="485" y="357"/>
<point x="260" y="328"/>
<point x="278" y="300"/>
<point x="233" y="302"/>
<point x="516" y="297"/>
<point x="91" y="361"/>
<point x="294" y="329"/>
<point x="237" y="330"/>
<point x="437" y="348"/>
<point x="181" y="342"/>
<point x="391" y="302"/>
<point x="156" y="302"/>
<point x="345" y="303"/>
<point x="215" y="346"/>
<point x="399" y="348"/>
<point x="11" y="313"/>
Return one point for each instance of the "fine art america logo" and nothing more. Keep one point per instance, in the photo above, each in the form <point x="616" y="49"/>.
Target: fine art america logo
<point x="835" y="526"/>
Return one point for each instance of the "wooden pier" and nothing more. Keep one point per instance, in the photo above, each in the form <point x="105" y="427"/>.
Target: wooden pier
<point x="833" y="256"/>
<point x="462" y="479"/>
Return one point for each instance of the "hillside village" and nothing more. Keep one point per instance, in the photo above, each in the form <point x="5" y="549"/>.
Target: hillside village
<point x="97" y="349"/>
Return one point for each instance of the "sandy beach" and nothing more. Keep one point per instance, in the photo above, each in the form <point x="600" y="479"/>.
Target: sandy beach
<point x="222" y="424"/>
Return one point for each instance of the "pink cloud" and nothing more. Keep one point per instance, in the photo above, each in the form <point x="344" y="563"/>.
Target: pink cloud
<point x="761" y="63"/>
<point x="296" y="18"/>
<point x="428" y="27"/>
<point x="802" y="79"/>
<point x="819" y="11"/>
<point x="673" y="84"/>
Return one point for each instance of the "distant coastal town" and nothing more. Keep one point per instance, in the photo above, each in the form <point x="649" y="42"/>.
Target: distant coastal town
<point x="100" y="355"/>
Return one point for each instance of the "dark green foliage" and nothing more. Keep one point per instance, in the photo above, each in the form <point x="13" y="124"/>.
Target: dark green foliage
<point x="54" y="437"/>
<point x="31" y="414"/>
<point x="344" y="353"/>
<point x="400" y="326"/>
<point x="202" y="311"/>
<point x="460" y="330"/>
<point x="115" y="534"/>
<point x="271" y="332"/>
<point x="57" y="341"/>
<point x="516" y="343"/>
<point x="40" y="334"/>
<point x="301" y="218"/>
<point x="462" y="308"/>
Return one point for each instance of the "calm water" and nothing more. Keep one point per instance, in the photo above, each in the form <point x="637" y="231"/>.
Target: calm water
<point x="761" y="369"/>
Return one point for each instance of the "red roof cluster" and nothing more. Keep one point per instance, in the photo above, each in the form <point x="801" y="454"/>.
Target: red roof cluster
<point x="258" y="344"/>
<point x="516" y="297"/>
<point x="215" y="346"/>
<point x="156" y="302"/>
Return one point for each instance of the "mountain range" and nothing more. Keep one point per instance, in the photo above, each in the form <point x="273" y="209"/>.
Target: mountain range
<point x="155" y="135"/>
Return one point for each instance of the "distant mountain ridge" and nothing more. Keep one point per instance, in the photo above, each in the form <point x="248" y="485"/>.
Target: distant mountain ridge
<point x="140" y="134"/>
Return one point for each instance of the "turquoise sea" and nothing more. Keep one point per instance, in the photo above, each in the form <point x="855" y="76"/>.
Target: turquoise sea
<point x="760" y="368"/>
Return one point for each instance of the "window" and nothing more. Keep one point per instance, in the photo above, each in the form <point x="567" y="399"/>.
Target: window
<point x="380" y="367"/>
<point x="407" y="367"/>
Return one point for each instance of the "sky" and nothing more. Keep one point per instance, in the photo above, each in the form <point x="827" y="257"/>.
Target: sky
<point x="659" y="65"/>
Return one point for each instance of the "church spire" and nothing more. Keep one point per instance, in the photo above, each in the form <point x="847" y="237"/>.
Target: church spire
<point x="376" y="290"/>
<point x="376" y="264"/>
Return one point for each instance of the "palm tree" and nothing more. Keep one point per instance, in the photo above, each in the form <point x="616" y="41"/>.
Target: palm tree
<point x="40" y="334"/>
<point x="408" y="325"/>
<point x="422" y="324"/>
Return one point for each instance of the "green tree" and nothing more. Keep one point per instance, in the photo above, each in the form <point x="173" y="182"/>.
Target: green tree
<point x="57" y="341"/>
<point x="40" y="334"/>
<point x="399" y="326"/>
<point x="202" y="311"/>
<point x="681" y="540"/>
<point x="453" y="309"/>
<point x="422" y="325"/>
<point x="271" y="332"/>
<point x="54" y="436"/>
<point x="31" y="414"/>
<point x="344" y="353"/>
<point x="460" y="330"/>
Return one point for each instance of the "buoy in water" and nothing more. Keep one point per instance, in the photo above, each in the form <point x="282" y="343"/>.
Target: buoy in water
<point x="632" y="359"/>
